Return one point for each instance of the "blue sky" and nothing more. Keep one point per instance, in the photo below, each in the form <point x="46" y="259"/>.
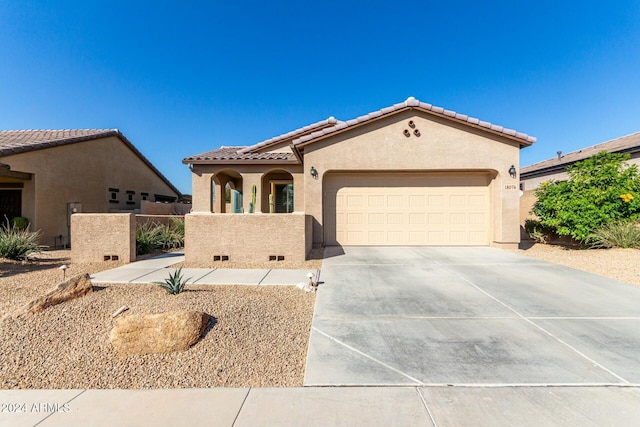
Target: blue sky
<point x="180" y="78"/>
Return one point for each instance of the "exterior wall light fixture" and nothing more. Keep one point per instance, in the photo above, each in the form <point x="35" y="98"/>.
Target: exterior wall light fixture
<point x="314" y="172"/>
<point x="512" y="171"/>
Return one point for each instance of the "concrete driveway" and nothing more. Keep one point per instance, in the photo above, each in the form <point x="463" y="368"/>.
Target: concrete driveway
<point x="429" y="316"/>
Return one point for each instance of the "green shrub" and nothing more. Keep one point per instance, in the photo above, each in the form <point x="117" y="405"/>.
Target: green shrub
<point x="601" y="189"/>
<point x="146" y="238"/>
<point x="174" y="284"/>
<point x="151" y="236"/>
<point x="171" y="236"/>
<point x="18" y="244"/>
<point x="620" y="234"/>
<point x="20" y="222"/>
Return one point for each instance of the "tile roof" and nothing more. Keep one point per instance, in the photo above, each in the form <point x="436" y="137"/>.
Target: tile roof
<point x="330" y="126"/>
<point x="237" y="153"/>
<point x="411" y="102"/>
<point x="292" y="135"/>
<point x="23" y="141"/>
<point x="624" y="144"/>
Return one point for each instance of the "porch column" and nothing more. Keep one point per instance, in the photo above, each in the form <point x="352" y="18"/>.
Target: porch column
<point x="298" y="192"/>
<point x="221" y="194"/>
<point x="201" y="187"/>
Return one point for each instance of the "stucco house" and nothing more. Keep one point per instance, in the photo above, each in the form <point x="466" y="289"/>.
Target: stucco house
<point x="555" y="169"/>
<point x="408" y="174"/>
<point x="46" y="175"/>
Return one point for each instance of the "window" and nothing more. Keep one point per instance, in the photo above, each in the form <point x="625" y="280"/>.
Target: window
<point x="113" y="195"/>
<point x="130" y="195"/>
<point x="281" y="197"/>
<point x="144" y="196"/>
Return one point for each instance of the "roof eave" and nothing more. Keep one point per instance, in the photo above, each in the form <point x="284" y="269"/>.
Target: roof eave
<point x="545" y="169"/>
<point x="59" y="142"/>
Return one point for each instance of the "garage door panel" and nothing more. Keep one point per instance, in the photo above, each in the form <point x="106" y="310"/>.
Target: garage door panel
<point x="420" y="209"/>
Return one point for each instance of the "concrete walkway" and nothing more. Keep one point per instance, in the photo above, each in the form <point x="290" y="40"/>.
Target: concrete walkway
<point x="311" y="406"/>
<point x="158" y="268"/>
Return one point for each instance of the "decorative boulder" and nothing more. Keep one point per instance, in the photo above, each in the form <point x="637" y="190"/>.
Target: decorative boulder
<point x="73" y="288"/>
<point x="157" y="333"/>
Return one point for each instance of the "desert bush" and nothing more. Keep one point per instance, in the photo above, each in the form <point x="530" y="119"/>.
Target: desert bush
<point x="151" y="236"/>
<point x="171" y="236"/>
<point x="20" y="222"/>
<point x="174" y="284"/>
<point x="17" y="244"/>
<point x="601" y="190"/>
<point x="620" y="234"/>
<point x="146" y="238"/>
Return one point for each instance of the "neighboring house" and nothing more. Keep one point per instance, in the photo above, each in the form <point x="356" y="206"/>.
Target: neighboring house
<point x="45" y="175"/>
<point x="555" y="169"/>
<point x="409" y="174"/>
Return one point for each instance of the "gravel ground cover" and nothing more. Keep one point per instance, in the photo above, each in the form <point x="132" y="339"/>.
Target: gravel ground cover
<point x="257" y="336"/>
<point x="619" y="264"/>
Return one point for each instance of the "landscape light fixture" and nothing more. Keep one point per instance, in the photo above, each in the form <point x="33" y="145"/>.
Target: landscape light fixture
<point x="313" y="172"/>
<point x="64" y="267"/>
<point x="512" y="171"/>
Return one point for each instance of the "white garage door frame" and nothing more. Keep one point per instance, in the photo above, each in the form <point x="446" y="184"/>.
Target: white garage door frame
<point x="401" y="208"/>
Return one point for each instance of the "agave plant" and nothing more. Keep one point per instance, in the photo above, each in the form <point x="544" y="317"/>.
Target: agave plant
<point x="174" y="284"/>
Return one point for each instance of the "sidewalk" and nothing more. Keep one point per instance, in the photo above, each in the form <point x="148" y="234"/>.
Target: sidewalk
<point x="157" y="269"/>
<point x="326" y="406"/>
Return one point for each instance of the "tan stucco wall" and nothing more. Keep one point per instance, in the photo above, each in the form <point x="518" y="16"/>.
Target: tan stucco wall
<point x="152" y="208"/>
<point x="534" y="182"/>
<point x="527" y="201"/>
<point x="246" y="237"/>
<point x="81" y="172"/>
<point x="97" y="236"/>
<point x="441" y="146"/>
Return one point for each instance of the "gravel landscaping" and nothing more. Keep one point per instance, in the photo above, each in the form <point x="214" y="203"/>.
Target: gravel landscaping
<point x="619" y="264"/>
<point x="257" y="336"/>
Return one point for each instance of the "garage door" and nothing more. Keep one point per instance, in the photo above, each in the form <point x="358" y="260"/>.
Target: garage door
<point x="407" y="209"/>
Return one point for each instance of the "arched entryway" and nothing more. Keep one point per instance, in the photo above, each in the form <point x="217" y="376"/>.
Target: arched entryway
<point x="278" y="192"/>
<point x="227" y="192"/>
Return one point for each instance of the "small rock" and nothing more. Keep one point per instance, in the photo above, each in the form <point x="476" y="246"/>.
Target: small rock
<point x="157" y="333"/>
<point x="73" y="288"/>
